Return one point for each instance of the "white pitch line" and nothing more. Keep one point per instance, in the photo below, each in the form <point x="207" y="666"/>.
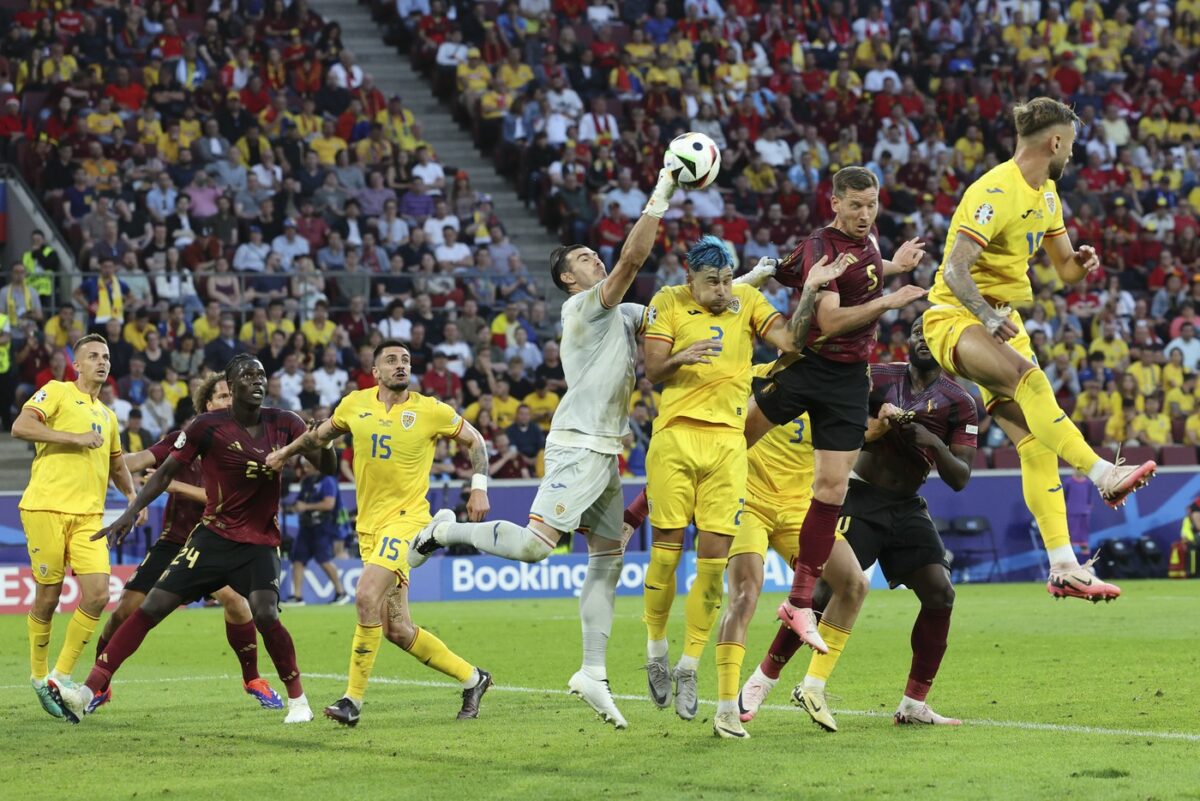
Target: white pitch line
<point x="1058" y="728"/>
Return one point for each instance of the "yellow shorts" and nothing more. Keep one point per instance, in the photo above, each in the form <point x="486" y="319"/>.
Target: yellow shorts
<point x="766" y="523"/>
<point x="945" y="324"/>
<point x="57" y="539"/>
<point x="388" y="547"/>
<point x="699" y="474"/>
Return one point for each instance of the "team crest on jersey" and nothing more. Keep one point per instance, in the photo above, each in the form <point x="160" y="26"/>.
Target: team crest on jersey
<point x="984" y="214"/>
<point x="408" y="420"/>
<point x="651" y="315"/>
<point x="181" y="440"/>
<point x="735" y="305"/>
<point x="1051" y="202"/>
<point x="40" y="396"/>
<point x="560" y="509"/>
<point x="43" y="569"/>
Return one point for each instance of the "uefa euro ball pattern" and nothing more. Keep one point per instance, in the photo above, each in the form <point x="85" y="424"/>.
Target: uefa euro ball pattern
<point x="694" y="160"/>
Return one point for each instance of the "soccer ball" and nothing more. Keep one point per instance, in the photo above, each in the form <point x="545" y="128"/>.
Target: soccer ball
<point x="693" y="159"/>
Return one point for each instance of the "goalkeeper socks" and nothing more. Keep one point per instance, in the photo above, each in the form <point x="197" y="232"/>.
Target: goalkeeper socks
<point x="816" y="543"/>
<point x="596" y="601"/>
<point x="499" y="539"/>
<point x="39" y="646"/>
<point x="79" y="631"/>
<point x="702" y="605"/>
<point x="1050" y="424"/>
<point x="1043" y="490"/>
<point x="729" y="669"/>
<point x="429" y="650"/>
<point x="636" y="512"/>
<point x="243" y="639"/>
<point x="363" y="650"/>
<point x="821" y="665"/>
<point x="929" y="635"/>
<point x="659" y="587"/>
<point x="283" y="653"/>
<point x="125" y="640"/>
<point x="781" y="651"/>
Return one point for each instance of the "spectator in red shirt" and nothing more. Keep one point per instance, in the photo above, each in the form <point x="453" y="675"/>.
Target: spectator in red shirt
<point x="507" y="461"/>
<point x="610" y="232"/>
<point x="439" y="382"/>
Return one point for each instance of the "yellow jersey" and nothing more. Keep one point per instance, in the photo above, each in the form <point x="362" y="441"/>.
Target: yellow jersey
<point x="1009" y="219"/>
<point x="504" y="410"/>
<point x="713" y="394"/>
<point x="542" y="408"/>
<point x="1192" y="430"/>
<point x="781" y="463"/>
<point x="205" y="331"/>
<point x="318" y="336"/>
<point x="393" y="451"/>
<point x="1154" y="430"/>
<point x="1075" y="354"/>
<point x="1115" y="352"/>
<point x="59" y="335"/>
<point x="1149" y="377"/>
<point x="1186" y="402"/>
<point x="69" y="478"/>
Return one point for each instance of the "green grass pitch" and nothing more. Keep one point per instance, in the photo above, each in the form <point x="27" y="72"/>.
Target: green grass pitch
<point x="1060" y="700"/>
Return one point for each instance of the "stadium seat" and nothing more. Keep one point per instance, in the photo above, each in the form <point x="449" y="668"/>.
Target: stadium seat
<point x="1094" y="431"/>
<point x="1138" y="454"/>
<point x="1178" y="455"/>
<point x="970" y="538"/>
<point x="1006" y="459"/>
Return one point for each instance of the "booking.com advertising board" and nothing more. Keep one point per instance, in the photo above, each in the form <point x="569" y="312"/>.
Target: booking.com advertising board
<point x="1155" y="511"/>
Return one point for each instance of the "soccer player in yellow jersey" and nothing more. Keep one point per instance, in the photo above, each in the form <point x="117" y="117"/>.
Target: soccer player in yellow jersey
<point x="698" y="343"/>
<point x="974" y="331"/>
<point x="78" y="449"/>
<point x="395" y="433"/>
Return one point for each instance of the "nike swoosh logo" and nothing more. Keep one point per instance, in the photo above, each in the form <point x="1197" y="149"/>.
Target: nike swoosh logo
<point x="1057" y="489"/>
<point x="693" y="311"/>
<point x="994" y="191"/>
<point x="1061" y="418"/>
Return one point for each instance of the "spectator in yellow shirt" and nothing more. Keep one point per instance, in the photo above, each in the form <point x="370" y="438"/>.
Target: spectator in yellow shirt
<point x="1075" y="352"/>
<point x="1152" y="427"/>
<point x="1147" y="373"/>
<point x="542" y="403"/>
<point x="515" y="73"/>
<point x="328" y="144"/>
<point x="320" y="329"/>
<point x="63" y="329"/>
<point x="174" y="388"/>
<point x="1119" y="428"/>
<point x="504" y="405"/>
<point x="1114" y="349"/>
<point x="664" y="71"/>
<point x="760" y="175"/>
<point x="102" y="121"/>
<point x="1181" y="401"/>
<point x="136" y="329"/>
<point x="207" y="328"/>
<point x="638" y="48"/>
<point x="732" y="75"/>
<point x="1191" y="430"/>
<point x="968" y="150"/>
<point x="1093" y="403"/>
<point x="473" y="77"/>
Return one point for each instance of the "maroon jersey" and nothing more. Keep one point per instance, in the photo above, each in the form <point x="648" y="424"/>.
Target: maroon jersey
<point x="181" y="514"/>
<point x="243" y="495"/>
<point x="861" y="283"/>
<point x="945" y="408"/>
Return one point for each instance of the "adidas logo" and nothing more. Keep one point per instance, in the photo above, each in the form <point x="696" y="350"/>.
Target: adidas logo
<point x="236" y="446"/>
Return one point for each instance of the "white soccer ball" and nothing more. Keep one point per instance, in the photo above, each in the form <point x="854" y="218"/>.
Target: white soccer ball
<point x="693" y="159"/>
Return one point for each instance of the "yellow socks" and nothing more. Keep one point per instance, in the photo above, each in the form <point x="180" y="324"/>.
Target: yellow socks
<point x="821" y="665"/>
<point x="39" y="646"/>
<point x="1050" y="424"/>
<point x="431" y="651"/>
<point x="660" y="588"/>
<point x="79" y="631"/>
<point x="729" y="669"/>
<point x="1043" y="489"/>
<point x="703" y="604"/>
<point x="363" y="651"/>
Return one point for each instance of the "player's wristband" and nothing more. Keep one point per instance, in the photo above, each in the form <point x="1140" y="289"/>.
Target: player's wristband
<point x="479" y="482"/>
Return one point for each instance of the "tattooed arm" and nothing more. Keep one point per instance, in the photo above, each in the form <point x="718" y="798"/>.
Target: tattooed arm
<point x="791" y="338"/>
<point x="311" y="440"/>
<point x="470" y="439"/>
<point x="957" y="274"/>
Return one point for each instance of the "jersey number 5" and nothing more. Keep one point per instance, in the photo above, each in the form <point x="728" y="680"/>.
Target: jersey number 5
<point x="872" y="278"/>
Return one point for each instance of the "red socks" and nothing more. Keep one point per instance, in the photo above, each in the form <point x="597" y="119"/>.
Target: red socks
<point x="243" y="639"/>
<point x="928" y="646"/>
<point x="816" y="543"/>
<point x="127" y="639"/>
<point x="783" y="647"/>
<point x="636" y="512"/>
<point x="283" y="654"/>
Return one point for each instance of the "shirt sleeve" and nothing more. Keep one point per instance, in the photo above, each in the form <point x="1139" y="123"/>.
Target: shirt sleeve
<point x="966" y="431"/>
<point x="449" y="422"/>
<point x="193" y="440"/>
<point x="114" y="434"/>
<point x="328" y="487"/>
<point x="1057" y="226"/>
<point x="162" y="449"/>
<point x="814" y="249"/>
<point x="45" y="402"/>
<point x="659" y="320"/>
<point x="762" y="314"/>
<point x="985" y="211"/>
<point x="340" y="417"/>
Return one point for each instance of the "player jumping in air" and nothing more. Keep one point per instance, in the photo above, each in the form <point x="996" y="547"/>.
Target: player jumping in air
<point x="185" y="507"/>
<point x="925" y="421"/>
<point x="828" y="379"/>
<point x="699" y="343"/>
<point x="78" y="449"/>
<point x="973" y="330"/>
<point x="395" y="433"/>
<point x="236" y="543"/>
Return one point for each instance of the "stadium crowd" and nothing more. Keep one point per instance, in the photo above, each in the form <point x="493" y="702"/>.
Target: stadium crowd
<point x="231" y="180"/>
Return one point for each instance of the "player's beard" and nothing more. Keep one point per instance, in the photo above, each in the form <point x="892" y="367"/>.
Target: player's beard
<point x="397" y="386"/>
<point x="1057" y="168"/>
<point x="923" y="362"/>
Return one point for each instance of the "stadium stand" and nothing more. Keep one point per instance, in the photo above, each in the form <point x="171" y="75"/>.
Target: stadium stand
<point x="231" y="179"/>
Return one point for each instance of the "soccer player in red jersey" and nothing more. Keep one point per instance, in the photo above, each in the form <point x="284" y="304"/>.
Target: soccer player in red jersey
<point x="829" y="379"/>
<point x="185" y="507"/>
<point x="925" y="420"/>
<point x="236" y="543"/>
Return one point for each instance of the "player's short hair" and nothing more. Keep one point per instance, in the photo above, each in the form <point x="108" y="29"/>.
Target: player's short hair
<point x="205" y="392"/>
<point x="1041" y="113"/>
<point x="388" y="343"/>
<point x="853" y="179"/>
<point x="708" y="251"/>
<point x="88" y="339"/>
<point x="558" y="263"/>
<point x="235" y="365"/>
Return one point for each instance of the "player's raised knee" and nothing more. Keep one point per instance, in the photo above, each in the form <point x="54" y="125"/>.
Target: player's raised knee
<point x="534" y="548"/>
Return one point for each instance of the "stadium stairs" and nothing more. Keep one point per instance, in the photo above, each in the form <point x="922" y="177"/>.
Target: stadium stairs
<point x="393" y="74"/>
<point x="15" y="459"/>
